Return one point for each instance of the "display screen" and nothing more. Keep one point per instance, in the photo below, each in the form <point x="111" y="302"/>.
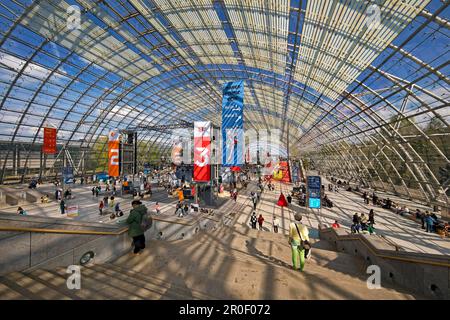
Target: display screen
<point x="314" y="203"/>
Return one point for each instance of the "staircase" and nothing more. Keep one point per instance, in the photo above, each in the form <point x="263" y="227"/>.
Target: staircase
<point x="229" y="263"/>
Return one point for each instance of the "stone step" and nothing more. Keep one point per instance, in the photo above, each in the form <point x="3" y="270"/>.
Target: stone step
<point x="7" y="293"/>
<point x="30" y="288"/>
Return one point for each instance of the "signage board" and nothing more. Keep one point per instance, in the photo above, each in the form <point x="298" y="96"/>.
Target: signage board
<point x="314" y="186"/>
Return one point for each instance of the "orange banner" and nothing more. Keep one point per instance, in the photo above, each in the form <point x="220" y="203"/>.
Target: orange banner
<point x="49" y="146"/>
<point x="113" y="154"/>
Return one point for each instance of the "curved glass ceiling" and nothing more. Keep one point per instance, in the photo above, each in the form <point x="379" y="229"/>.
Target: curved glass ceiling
<point x="370" y="102"/>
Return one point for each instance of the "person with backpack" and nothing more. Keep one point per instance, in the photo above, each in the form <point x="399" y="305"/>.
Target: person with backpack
<point x="299" y="242"/>
<point x="253" y="220"/>
<point x="138" y="221"/>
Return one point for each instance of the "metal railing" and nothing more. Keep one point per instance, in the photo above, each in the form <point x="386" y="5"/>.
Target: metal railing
<point x="102" y="233"/>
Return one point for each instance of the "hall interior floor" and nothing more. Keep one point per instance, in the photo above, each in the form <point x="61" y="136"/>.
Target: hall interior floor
<point x="400" y="230"/>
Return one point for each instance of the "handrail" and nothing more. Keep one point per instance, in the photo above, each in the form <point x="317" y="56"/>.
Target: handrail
<point x="349" y="237"/>
<point x="92" y="232"/>
<point x="62" y="231"/>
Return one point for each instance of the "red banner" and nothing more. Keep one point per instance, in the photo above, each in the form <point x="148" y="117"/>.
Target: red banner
<point x="49" y="146"/>
<point x="113" y="154"/>
<point x="202" y="151"/>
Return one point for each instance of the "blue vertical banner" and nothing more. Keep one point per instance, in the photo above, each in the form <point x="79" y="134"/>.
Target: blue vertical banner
<point x="314" y="184"/>
<point x="295" y="173"/>
<point x="233" y="144"/>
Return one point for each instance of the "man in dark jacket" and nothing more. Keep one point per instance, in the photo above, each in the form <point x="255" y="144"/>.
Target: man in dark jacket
<point x="134" y="222"/>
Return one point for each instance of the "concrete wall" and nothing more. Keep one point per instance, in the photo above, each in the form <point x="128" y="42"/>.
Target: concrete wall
<point x="11" y="200"/>
<point x="30" y="197"/>
<point x="418" y="274"/>
<point x="25" y="251"/>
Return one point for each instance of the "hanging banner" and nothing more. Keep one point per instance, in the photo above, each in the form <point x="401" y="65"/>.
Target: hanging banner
<point x="113" y="154"/>
<point x="67" y="174"/>
<point x="202" y="151"/>
<point x="49" y="146"/>
<point x="233" y="144"/>
<point x="295" y="173"/>
<point x="281" y="172"/>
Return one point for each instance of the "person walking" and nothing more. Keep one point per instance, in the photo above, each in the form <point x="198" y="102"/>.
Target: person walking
<point x="101" y="205"/>
<point x="93" y="191"/>
<point x="299" y="242"/>
<point x="422" y="219"/>
<point x="363" y="221"/>
<point x="112" y="203"/>
<point x="134" y="226"/>
<point x="430" y="223"/>
<point x="157" y="208"/>
<point x="117" y="210"/>
<point x="235" y="194"/>
<point x="97" y="191"/>
<point x="276" y="224"/>
<point x="253" y="220"/>
<point x="371" y="217"/>
<point x="20" y="211"/>
<point x="62" y="206"/>
<point x="260" y="221"/>
<point x="289" y="198"/>
<point x="255" y="200"/>
<point x="178" y="206"/>
<point x="356" y="223"/>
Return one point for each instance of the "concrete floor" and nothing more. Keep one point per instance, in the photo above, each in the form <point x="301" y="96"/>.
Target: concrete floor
<point x="233" y="262"/>
<point x="400" y="230"/>
<point x="88" y="204"/>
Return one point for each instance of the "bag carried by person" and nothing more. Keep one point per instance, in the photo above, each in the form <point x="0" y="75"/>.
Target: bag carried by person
<point x="146" y="222"/>
<point x="303" y="243"/>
